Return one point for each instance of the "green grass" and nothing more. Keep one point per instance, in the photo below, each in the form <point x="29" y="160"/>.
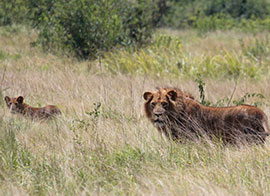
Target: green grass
<point x="127" y="168"/>
<point x="167" y="57"/>
<point x="103" y="144"/>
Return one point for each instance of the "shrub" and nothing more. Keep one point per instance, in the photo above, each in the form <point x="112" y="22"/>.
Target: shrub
<point x="12" y="11"/>
<point x="86" y="27"/>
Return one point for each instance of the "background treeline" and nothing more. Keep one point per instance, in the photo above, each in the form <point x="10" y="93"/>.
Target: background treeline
<point x="87" y="27"/>
<point x="210" y="15"/>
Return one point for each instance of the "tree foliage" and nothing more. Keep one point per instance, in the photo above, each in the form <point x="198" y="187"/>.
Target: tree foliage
<point x="86" y="27"/>
<point x="184" y="13"/>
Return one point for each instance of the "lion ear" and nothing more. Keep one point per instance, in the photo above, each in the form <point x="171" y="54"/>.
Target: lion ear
<point x="20" y="99"/>
<point x="172" y="94"/>
<point x="7" y="99"/>
<point x="147" y="96"/>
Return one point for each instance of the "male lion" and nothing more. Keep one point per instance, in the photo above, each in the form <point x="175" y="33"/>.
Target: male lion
<point x="178" y="116"/>
<point x="16" y="105"/>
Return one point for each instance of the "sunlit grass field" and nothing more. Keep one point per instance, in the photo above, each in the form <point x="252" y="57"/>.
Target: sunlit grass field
<point x="103" y="144"/>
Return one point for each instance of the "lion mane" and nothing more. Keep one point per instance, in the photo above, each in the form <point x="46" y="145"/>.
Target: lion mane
<point x="178" y="115"/>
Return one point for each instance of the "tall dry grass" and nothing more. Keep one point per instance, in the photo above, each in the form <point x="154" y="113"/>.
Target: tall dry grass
<point x="103" y="144"/>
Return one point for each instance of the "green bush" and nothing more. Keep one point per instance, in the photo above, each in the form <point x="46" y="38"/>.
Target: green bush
<point x="87" y="27"/>
<point x="12" y="11"/>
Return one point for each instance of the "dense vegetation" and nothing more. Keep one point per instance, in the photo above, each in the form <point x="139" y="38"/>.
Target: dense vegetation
<point x="83" y="27"/>
<point x="207" y="15"/>
<point x="87" y="28"/>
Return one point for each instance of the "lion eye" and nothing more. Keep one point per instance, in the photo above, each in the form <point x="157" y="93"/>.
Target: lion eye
<point x="164" y="104"/>
<point x="153" y="104"/>
<point x="16" y="104"/>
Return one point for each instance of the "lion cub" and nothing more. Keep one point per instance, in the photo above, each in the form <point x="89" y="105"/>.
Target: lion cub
<point x="16" y="105"/>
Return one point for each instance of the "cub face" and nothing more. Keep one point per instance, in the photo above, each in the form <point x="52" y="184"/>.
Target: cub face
<point x="15" y="104"/>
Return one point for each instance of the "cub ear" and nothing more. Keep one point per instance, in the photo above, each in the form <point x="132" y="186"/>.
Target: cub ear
<point x="7" y="99"/>
<point x="147" y="96"/>
<point x="20" y="99"/>
<point x="172" y="94"/>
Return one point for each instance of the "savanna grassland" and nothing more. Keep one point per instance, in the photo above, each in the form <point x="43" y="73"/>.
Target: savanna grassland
<point x="103" y="144"/>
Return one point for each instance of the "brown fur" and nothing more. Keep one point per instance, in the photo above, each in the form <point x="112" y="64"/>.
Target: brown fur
<point x="178" y="115"/>
<point x="16" y="105"/>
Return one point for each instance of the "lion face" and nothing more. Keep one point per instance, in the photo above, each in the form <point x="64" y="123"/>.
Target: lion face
<point x="15" y="105"/>
<point x="159" y="106"/>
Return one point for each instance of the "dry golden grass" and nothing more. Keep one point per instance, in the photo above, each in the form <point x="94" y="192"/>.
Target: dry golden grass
<point x="112" y="149"/>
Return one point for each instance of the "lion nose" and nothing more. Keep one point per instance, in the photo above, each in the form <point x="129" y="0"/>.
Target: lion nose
<point x="157" y="114"/>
